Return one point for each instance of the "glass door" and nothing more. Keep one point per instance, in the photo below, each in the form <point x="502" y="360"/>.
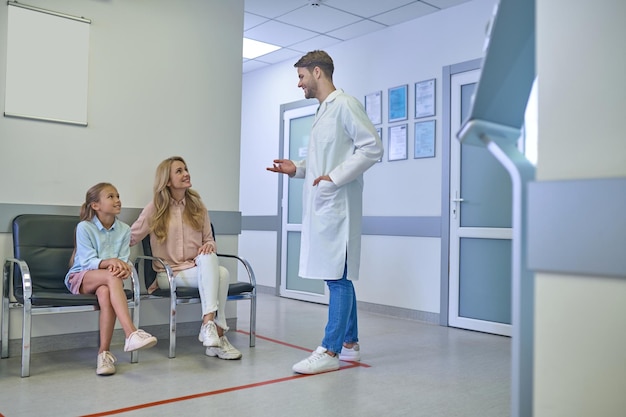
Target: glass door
<point x="297" y="128"/>
<point x="480" y="227"/>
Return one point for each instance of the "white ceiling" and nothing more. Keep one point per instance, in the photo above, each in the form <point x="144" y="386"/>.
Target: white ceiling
<point x="300" y="26"/>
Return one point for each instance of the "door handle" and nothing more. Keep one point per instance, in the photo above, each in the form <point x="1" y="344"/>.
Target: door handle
<point x="456" y="200"/>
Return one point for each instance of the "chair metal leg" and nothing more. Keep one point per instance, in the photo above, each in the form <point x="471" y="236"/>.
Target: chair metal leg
<point x="26" y="332"/>
<point x="253" y="319"/>
<point x="172" y="353"/>
<point x="4" y="326"/>
<point x="4" y="333"/>
<point x="134" y="355"/>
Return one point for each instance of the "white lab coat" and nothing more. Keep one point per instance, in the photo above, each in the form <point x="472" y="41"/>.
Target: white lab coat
<point x="343" y="144"/>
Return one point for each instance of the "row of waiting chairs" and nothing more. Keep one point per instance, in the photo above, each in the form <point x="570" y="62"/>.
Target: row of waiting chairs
<point x="33" y="281"/>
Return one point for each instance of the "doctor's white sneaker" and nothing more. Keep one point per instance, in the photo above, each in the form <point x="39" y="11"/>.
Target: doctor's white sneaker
<point x="318" y="362"/>
<point x="352" y="354"/>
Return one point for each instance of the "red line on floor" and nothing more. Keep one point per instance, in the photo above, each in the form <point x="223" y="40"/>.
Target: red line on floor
<point x="224" y="390"/>
<point x="277" y="341"/>
<point x="206" y="394"/>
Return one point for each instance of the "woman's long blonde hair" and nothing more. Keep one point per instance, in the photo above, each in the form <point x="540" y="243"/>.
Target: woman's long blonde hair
<point x="194" y="208"/>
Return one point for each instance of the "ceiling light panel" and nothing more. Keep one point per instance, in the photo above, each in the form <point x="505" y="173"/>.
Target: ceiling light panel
<point x="253" y="49"/>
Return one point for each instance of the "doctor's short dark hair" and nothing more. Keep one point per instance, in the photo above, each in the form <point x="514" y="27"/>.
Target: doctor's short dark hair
<point x="317" y="59"/>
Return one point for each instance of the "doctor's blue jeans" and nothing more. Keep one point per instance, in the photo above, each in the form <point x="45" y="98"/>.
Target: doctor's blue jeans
<point x="342" y="326"/>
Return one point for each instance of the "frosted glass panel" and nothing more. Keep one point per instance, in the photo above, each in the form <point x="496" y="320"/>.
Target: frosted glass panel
<point x="294" y="282"/>
<point x="299" y="130"/>
<point x="485" y="281"/>
<point x="485" y="203"/>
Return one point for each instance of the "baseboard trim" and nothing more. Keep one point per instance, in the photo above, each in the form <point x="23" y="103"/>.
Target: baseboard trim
<point x="264" y="289"/>
<point x="399" y="312"/>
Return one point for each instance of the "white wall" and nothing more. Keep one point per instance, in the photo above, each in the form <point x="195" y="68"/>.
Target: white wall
<point x="164" y="79"/>
<point x="580" y="329"/>
<point x="407" y="273"/>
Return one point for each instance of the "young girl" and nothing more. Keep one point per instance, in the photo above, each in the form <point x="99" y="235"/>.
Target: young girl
<point x="100" y="264"/>
<point x="180" y="233"/>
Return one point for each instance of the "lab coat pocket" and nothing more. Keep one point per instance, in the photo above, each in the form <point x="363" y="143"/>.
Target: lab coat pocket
<point x="329" y="199"/>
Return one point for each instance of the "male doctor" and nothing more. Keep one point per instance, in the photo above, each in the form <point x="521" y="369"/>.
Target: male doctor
<point x="343" y="144"/>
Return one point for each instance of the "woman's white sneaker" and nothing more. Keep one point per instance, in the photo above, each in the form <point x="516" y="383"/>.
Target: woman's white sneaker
<point x="208" y="335"/>
<point x="224" y="351"/>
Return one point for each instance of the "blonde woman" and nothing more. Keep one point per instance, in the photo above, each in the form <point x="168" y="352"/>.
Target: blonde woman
<point x="180" y="233"/>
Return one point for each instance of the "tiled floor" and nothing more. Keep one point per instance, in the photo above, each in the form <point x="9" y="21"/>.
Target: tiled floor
<point x="408" y="368"/>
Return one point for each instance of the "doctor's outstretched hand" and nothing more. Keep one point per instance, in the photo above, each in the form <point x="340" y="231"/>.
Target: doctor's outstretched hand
<point x="283" y="166"/>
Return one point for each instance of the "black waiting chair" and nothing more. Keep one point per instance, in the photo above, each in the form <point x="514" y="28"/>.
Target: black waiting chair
<point x="190" y="295"/>
<point x="34" y="277"/>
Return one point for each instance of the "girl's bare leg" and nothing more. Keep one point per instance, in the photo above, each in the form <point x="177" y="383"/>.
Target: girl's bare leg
<point x="92" y="282"/>
<point x="107" y="318"/>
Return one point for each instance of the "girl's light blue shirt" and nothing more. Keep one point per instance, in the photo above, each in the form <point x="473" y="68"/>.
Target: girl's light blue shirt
<point x="94" y="243"/>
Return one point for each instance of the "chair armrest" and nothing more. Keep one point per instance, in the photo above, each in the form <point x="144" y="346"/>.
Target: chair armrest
<point x="246" y="265"/>
<point x="134" y="277"/>
<point x="27" y="283"/>
<point x="165" y="265"/>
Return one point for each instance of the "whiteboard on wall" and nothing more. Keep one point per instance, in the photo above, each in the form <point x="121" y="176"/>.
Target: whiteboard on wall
<point x="47" y="65"/>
